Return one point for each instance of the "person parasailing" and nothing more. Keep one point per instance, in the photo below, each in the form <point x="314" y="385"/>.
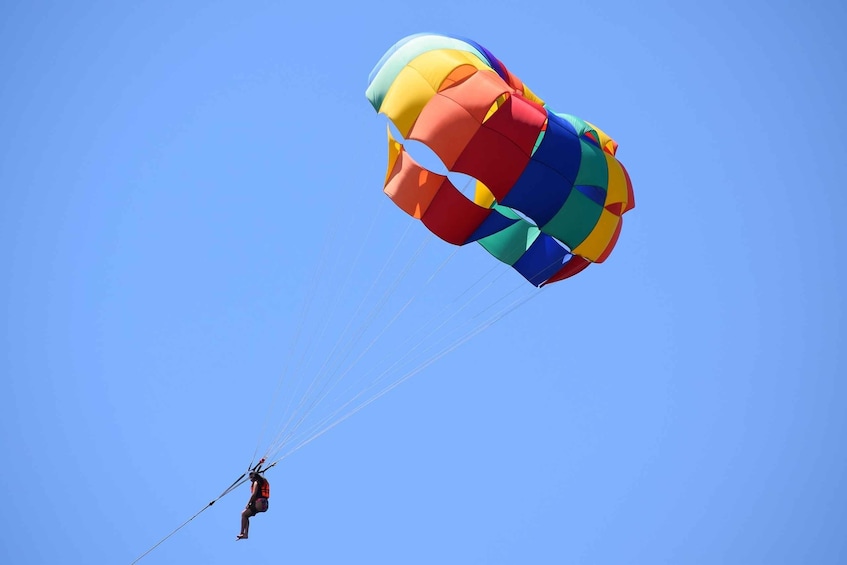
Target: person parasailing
<point x="260" y="491"/>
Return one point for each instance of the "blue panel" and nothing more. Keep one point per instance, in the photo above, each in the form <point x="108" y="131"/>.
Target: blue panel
<point x="542" y="260"/>
<point x="594" y="193"/>
<point x="560" y="149"/>
<point x="546" y="182"/>
<point x="539" y="193"/>
<point x="494" y="223"/>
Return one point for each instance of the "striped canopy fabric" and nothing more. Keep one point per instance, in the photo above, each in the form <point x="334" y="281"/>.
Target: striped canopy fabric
<point x="549" y="193"/>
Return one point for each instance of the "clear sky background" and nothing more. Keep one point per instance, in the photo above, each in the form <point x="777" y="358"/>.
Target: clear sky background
<point x="171" y="171"/>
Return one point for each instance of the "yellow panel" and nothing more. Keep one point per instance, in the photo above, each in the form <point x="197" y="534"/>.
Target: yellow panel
<point x="616" y="191"/>
<point x="418" y="82"/>
<point x="606" y="142"/>
<point x="408" y="94"/>
<point x="530" y="95"/>
<point x="597" y="241"/>
<point x="434" y="66"/>
<point x="483" y="196"/>
<point x="394" y="149"/>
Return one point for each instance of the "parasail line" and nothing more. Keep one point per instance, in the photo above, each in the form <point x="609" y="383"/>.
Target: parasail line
<point x="308" y="352"/>
<point x="237" y="483"/>
<point x="412" y="373"/>
<point x="333" y="378"/>
<point x="331" y="422"/>
<point x="458" y="304"/>
<point x="323" y="263"/>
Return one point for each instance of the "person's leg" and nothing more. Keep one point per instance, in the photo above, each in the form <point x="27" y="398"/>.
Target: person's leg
<point x="245" y="522"/>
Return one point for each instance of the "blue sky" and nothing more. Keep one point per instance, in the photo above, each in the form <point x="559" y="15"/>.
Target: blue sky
<point x="178" y="183"/>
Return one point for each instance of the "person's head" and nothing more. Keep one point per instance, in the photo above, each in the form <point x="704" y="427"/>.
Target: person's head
<point x="254" y="475"/>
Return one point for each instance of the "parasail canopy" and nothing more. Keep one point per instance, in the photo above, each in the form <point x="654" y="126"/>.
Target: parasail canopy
<point x="549" y="194"/>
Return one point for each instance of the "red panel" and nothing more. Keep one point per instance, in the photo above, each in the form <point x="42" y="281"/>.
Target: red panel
<point x="493" y="159"/>
<point x="452" y="217"/>
<point x="520" y="120"/>
<point x="615" y="208"/>
<point x="575" y="265"/>
<point x="630" y="196"/>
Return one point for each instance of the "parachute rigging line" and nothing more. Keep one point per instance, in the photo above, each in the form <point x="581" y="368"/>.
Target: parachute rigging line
<point x="319" y="272"/>
<point x="305" y="307"/>
<point x="344" y="411"/>
<point x="456" y="344"/>
<point x="373" y="342"/>
<point x="237" y="483"/>
<point x="333" y="377"/>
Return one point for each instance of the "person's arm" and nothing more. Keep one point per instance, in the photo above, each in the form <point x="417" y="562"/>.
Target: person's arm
<point x="254" y="492"/>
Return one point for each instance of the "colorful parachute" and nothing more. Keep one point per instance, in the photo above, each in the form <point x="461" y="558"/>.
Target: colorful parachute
<point x="549" y="195"/>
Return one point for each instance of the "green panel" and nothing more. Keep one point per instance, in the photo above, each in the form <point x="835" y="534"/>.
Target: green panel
<point x="506" y="211"/>
<point x="593" y="169"/>
<point x="509" y="244"/>
<point x="572" y="224"/>
<point x="578" y="124"/>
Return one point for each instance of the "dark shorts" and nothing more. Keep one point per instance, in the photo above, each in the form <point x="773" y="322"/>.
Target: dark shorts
<point x="259" y="505"/>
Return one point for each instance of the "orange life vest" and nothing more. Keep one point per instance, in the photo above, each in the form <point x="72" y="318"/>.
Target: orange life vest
<point x="264" y="488"/>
